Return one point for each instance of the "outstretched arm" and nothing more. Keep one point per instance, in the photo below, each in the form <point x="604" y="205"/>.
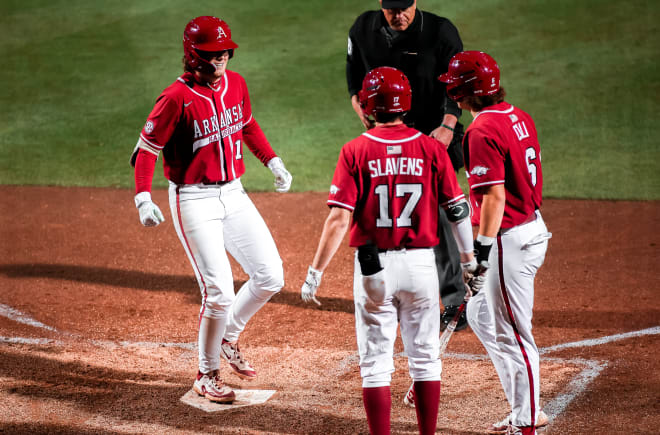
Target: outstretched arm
<point x="334" y="229"/>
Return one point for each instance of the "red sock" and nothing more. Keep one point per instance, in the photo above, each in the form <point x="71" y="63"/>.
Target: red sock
<point x="427" y="400"/>
<point x="377" y="403"/>
<point x="527" y="430"/>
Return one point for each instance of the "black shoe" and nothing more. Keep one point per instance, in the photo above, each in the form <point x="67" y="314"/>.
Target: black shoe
<point x="448" y="314"/>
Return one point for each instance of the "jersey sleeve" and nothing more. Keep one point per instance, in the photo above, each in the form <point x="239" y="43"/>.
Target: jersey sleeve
<point x="344" y="191"/>
<point x="160" y="124"/>
<point x="486" y="162"/>
<point x="253" y="135"/>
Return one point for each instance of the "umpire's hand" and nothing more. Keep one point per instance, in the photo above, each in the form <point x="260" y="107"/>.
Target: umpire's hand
<point x="368" y="123"/>
<point x="442" y="134"/>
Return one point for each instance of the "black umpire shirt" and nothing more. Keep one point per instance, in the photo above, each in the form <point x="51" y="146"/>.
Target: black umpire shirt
<point x="422" y="52"/>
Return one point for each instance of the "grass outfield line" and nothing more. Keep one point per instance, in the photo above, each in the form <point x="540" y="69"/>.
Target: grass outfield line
<point x="80" y="78"/>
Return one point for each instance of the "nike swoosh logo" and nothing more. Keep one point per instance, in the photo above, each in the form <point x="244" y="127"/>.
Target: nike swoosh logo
<point x="187" y="104"/>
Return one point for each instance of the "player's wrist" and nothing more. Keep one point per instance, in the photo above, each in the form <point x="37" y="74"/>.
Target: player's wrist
<point x="275" y="163"/>
<point x="482" y="247"/>
<point x="141" y="198"/>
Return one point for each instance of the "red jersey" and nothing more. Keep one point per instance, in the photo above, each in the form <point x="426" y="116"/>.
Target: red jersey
<point x="201" y="130"/>
<point x="393" y="179"/>
<point x="501" y="147"/>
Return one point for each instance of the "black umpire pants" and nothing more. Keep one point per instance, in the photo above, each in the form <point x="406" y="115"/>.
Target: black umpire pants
<point x="448" y="263"/>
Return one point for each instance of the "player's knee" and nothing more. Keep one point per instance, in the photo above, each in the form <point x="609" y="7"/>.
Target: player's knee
<point x="373" y="378"/>
<point x="267" y="281"/>
<point x="425" y="369"/>
<point x="217" y="303"/>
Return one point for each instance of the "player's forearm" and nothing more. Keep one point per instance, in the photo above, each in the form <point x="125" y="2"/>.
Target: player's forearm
<point x="449" y="120"/>
<point x="462" y="232"/>
<point x="492" y="210"/>
<point x="145" y="164"/>
<point x="255" y="139"/>
<point x="334" y="229"/>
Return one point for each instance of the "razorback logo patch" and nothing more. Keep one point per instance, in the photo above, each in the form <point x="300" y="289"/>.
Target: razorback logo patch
<point x="479" y="171"/>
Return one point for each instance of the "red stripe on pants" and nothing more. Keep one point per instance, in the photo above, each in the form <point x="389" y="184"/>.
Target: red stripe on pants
<point x="505" y="295"/>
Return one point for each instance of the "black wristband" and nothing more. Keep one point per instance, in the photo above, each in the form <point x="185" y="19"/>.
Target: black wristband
<point x="481" y="252"/>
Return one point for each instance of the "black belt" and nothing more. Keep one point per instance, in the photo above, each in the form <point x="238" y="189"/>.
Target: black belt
<point x="215" y="183"/>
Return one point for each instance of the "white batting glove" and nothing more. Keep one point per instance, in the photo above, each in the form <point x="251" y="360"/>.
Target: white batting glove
<point x="468" y="269"/>
<point x="312" y="282"/>
<point x="282" y="177"/>
<point x="150" y="214"/>
<point x="478" y="280"/>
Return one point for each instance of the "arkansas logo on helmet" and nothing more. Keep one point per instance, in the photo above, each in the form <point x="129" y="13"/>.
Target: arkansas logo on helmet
<point x="206" y="34"/>
<point x="471" y="73"/>
<point x="385" y="89"/>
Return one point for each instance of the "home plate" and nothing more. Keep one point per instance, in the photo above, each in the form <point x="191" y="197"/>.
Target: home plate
<point x="243" y="398"/>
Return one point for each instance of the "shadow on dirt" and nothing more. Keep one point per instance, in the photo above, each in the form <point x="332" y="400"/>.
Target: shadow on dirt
<point x="153" y="282"/>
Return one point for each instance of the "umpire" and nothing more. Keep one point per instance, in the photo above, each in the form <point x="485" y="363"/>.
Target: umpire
<point x="420" y="44"/>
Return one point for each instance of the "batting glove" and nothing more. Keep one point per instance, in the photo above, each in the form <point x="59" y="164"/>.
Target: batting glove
<point x="312" y="282"/>
<point x="150" y="214"/>
<point x="282" y="177"/>
<point x="474" y="274"/>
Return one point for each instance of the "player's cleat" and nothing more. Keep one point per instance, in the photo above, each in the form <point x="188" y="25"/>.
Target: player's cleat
<point x="211" y="386"/>
<point x="501" y="427"/>
<point x="240" y="367"/>
<point x="448" y="314"/>
<point x="409" y="398"/>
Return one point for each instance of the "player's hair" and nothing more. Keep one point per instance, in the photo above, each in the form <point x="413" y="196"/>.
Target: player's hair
<point x="384" y="118"/>
<point x="480" y="102"/>
<point x="186" y="66"/>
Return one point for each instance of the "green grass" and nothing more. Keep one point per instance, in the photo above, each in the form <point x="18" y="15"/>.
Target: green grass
<point x="80" y="77"/>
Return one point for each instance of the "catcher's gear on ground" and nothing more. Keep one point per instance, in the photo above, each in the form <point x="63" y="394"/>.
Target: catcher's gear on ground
<point x="385" y="90"/>
<point x="471" y="73"/>
<point x="150" y="214"/>
<point x="449" y="314"/>
<point x="282" y="177"/>
<point x="206" y="34"/>
<point x="311" y="284"/>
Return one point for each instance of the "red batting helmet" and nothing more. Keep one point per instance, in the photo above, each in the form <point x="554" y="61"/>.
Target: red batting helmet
<point x="206" y="34"/>
<point x="471" y="73"/>
<point x="385" y="89"/>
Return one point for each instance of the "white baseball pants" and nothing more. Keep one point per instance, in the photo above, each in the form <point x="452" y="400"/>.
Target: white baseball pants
<point x="211" y="221"/>
<point x="501" y="315"/>
<point x="407" y="290"/>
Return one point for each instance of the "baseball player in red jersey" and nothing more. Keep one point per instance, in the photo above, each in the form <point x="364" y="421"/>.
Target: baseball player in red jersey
<point x="201" y="123"/>
<point x="393" y="179"/>
<point x="503" y="162"/>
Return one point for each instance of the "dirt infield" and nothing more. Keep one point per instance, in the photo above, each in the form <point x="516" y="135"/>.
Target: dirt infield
<point x="98" y="320"/>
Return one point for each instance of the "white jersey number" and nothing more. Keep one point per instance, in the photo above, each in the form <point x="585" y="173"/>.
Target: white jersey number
<point x="530" y="156"/>
<point x="384" y="220"/>
<point x="238" y="150"/>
